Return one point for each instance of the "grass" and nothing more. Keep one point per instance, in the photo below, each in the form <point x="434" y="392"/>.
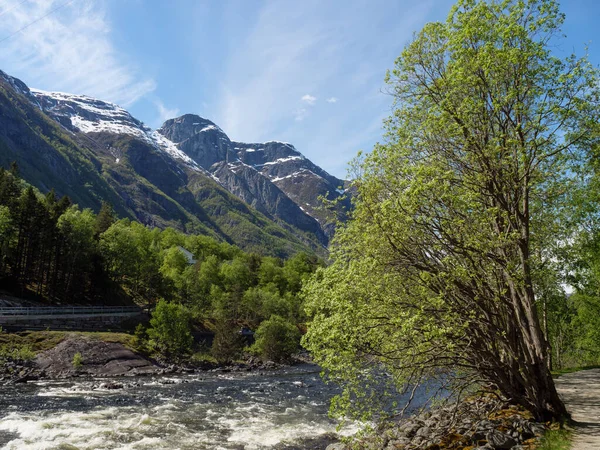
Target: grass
<point x="77" y="360"/>
<point x="558" y="372"/>
<point x="27" y="344"/>
<point x="36" y="341"/>
<point x="203" y="357"/>
<point x="555" y="440"/>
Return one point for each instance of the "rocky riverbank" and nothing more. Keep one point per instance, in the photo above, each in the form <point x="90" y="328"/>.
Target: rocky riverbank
<point x="98" y="358"/>
<point x="481" y="423"/>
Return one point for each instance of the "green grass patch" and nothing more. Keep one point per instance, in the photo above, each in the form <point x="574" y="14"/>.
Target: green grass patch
<point x="36" y="341"/>
<point x="558" y="372"/>
<point x="556" y="440"/>
<point x="203" y="357"/>
<point x="127" y="340"/>
<point x="27" y="344"/>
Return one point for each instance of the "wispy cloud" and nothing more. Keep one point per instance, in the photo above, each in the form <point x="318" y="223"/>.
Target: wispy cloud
<point x="300" y="114"/>
<point x="293" y="52"/>
<point x="165" y="113"/>
<point x="309" y="99"/>
<point x="69" y="50"/>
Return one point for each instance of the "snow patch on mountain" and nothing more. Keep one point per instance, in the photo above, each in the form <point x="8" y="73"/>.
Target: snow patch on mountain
<point x="90" y="115"/>
<point x="164" y="144"/>
<point x="281" y="160"/>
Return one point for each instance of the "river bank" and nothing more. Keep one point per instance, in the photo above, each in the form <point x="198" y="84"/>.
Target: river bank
<point x="109" y="367"/>
<point x="482" y="422"/>
<point x="39" y="355"/>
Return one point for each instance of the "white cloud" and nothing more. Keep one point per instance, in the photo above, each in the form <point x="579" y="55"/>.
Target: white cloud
<point x="309" y="99"/>
<point x="292" y="50"/>
<point x="70" y="50"/>
<point x="300" y="114"/>
<point x="165" y="113"/>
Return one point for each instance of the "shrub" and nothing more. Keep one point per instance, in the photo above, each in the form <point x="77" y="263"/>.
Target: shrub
<point x="141" y="338"/>
<point x="16" y="352"/>
<point x="276" y="339"/>
<point x="77" y="360"/>
<point x="170" y="328"/>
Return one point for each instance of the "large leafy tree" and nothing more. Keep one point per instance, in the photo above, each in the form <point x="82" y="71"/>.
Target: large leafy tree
<point x="436" y="273"/>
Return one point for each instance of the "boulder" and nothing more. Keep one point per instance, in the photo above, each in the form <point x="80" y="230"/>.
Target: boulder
<point x="499" y="440"/>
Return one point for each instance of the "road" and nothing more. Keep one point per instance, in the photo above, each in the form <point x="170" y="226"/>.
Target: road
<point x="581" y="393"/>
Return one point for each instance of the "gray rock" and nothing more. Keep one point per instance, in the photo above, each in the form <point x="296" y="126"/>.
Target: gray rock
<point x="336" y="446"/>
<point x="410" y="429"/>
<point x="499" y="440"/>
<point x="424" y="432"/>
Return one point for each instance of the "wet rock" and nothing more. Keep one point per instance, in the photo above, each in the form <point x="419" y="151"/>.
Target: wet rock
<point x="111" y="386"/>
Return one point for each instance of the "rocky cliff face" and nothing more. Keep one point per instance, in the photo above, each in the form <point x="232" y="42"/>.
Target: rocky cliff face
<point x="171" y="176"/>
<point x="273" y="176"/>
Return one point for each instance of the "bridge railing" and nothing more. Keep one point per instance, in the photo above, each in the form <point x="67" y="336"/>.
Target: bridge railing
<point x="68" y="310"/>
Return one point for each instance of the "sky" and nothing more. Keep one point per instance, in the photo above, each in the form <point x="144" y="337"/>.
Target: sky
<point x="307" y="72"/>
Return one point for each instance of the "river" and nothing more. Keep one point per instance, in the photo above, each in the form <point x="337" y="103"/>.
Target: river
<point x="200" y="411"/>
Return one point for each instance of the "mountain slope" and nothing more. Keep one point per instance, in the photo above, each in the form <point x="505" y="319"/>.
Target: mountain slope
<point x="182" y="175"/>
<point x="273" y="176"/>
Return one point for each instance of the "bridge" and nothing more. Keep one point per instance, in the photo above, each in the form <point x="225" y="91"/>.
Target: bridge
<point x="66" y="317"/>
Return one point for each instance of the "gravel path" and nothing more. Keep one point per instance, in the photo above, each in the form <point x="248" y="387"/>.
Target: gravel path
<point x="581" y="393"/>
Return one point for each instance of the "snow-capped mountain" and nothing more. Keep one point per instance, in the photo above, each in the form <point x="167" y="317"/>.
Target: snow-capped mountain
<point x="180" y="158"/>
<point x="267" y="175"/>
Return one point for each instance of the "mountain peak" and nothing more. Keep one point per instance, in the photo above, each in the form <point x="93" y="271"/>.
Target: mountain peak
<point x="184" y="127"/>
<point x="272" y="177"/>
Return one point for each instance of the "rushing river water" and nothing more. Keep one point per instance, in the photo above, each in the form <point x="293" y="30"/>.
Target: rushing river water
<point x="206" y="411"/>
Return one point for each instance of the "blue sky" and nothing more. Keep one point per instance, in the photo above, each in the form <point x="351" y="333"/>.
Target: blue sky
<point x="306" y="72"/>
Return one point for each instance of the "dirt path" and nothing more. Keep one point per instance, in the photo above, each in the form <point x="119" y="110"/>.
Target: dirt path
<point x="581" y="393"/>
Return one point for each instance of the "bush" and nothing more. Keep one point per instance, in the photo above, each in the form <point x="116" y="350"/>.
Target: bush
<point x="16" y="352"/>
<point x="141" y="338"/>
<point x="77" y="360"/>
<point x="170" y="328"/>
<point x="276" y="339"/>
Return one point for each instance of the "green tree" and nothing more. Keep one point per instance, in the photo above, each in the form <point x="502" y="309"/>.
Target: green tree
<point x="276" y="339"/>
<point x="435" y="273"/>
<point x="6" y="234"/>
<point x="104" y="219"/>
<point x="170" y="328"/>
<point x="76" y="229"/>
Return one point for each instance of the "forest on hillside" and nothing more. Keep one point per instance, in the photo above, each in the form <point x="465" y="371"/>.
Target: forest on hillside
<point x="55" y="252"/>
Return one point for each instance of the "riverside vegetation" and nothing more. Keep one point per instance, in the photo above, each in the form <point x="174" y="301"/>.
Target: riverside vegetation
<point x="470" y="218"/>
<point x="51" y="250"/>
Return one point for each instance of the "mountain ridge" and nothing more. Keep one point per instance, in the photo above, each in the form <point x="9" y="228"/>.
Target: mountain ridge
<point x="175" y="170"/>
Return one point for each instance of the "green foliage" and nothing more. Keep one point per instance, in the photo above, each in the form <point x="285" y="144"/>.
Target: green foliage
<point x="170" y="328"/>
<point x="104" y="219"/>
<point x="459" y="211"/>
<point x="227" y="343"/>
<point x="57" y="250"/>
<point x="22" y="352"/>
<point x="141" y="337"/>
<point x="77" y="360"/>
<point x="277" y="339"/>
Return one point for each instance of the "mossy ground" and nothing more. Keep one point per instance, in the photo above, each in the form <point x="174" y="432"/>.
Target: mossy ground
<point x="28" y="344"/>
